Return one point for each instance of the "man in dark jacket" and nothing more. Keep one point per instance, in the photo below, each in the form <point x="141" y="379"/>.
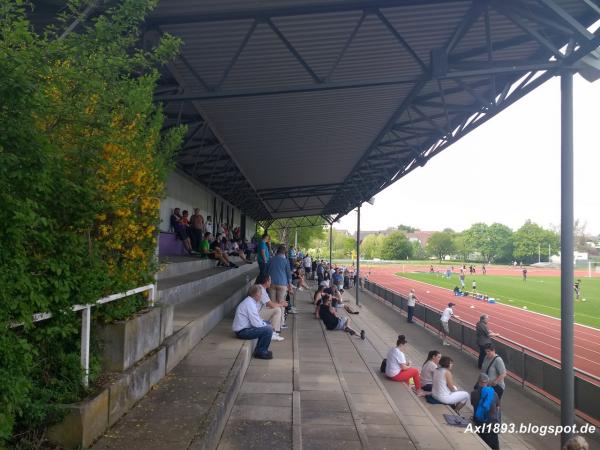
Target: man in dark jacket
<point x="483" y="337"/>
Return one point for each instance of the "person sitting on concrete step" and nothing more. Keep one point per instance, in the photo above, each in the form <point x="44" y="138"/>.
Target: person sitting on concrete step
<point x="428" y="369"/>
<point x="331" y="320"/>
<point x="444" y="390"/>
<point x="398" y="367"/>
<point x="269" y="310"/>
<point x="211" y="249"/>
<point x="247" y="323"/>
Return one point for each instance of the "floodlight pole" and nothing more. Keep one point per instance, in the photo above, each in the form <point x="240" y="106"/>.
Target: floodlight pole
<point x="567" y="398"/>
<point x="357" y="254"/>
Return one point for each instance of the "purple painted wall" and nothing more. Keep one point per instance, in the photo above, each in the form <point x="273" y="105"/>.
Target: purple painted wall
<point x="169" y="246"/>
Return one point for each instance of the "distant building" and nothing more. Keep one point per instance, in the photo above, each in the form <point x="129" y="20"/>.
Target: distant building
<point x="577" y="256"/>
<point x="420" y="236"/>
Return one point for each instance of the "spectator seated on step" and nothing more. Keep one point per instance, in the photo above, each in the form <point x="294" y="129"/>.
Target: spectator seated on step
<point x="210" y="248"/>
<point x="332" y="321"/>
<point x="398" y="367"/>
<point x="444" y="390"/>
<point x="337" y="300"/>
<point x="269" y="310"/>
<point x="320" y="298"/>
<point x="232" y="248"/>
<point x="296" y="279"/>
<point x="428" y="369"/>
<point x="317" y="295"/>
<point x="247" y="323"/>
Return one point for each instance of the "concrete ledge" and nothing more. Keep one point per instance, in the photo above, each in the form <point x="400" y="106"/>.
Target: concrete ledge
<point x="84" y="422"/>
<point x="127" y="342"/>
<point x="216" y="417"/>
<point x="136" y="383"/>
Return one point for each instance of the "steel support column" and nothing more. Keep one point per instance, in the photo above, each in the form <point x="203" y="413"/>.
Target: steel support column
<point x="330" y="243"/>
<point x="567" y="398"/>
<point x="357" y="254"/>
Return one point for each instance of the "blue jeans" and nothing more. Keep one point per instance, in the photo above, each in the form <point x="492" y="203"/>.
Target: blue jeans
<point x="263" y="334"/>
<point x="411" y="312"/>
<point x="263" y="267"/>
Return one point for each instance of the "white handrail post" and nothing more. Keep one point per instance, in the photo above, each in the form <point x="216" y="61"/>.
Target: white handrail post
<point x="152" y="295"/>
<point x="86" y="314"/>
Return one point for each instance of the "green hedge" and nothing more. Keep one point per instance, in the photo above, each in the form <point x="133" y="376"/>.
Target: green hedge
<point x="70" y="107"/>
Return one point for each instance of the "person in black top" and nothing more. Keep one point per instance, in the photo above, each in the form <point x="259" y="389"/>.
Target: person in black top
<point x="332" y="322"/>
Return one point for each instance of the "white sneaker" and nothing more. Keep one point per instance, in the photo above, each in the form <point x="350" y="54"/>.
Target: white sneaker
<point x="277" y="337"/>
<point x="445" y="343"/>
<point x="292" y="311"/>
<point x="300" y="289"/>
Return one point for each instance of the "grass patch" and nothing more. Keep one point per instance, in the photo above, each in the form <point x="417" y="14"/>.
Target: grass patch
<point x="540" y="294"/>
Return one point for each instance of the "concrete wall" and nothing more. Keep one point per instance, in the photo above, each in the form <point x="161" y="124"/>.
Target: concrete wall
<point x="186" y="193"/>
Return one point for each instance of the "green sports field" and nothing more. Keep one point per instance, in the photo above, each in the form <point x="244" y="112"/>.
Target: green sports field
<point x="541" y="294"/>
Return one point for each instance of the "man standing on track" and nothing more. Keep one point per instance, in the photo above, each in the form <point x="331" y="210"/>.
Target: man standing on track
<point x="410" y="305"/>
<point x="448" y="312"/>
<point x="483" y="337"/>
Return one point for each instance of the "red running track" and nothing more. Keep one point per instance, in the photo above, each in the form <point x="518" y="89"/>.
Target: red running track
<point x="536" y="331"/>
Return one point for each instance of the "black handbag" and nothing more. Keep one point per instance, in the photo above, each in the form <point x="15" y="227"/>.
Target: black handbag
<point x="383" y="365"/>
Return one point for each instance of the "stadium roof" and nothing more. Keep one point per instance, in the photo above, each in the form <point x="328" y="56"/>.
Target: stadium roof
<point x="310" y="107"/>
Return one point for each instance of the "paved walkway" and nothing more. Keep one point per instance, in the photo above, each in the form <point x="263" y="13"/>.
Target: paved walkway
<point x="322" y="391"/>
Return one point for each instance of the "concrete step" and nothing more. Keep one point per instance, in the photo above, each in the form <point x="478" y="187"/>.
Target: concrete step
<point x="189" y="408"/>
<point x="196" y="317"/>
<point x="196" y="397"/>
<point x="173" y="266"/>
<point x="181" y="288"/>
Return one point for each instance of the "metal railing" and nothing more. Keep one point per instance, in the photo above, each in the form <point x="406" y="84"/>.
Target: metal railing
<point x="530" y="367"/>
<point x="86" y="315"/>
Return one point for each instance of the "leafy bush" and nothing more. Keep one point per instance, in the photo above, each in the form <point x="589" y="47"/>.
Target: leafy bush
<point x="82" y="169"/>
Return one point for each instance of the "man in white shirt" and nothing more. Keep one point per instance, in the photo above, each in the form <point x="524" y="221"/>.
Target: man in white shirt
<point x="247" y="323"/>
<point x="270" y="311"/>
<point x="448" y="312"/>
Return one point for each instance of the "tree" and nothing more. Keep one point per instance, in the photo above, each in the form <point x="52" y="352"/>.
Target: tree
<point x="285" y="232"/>
<point x="418" y="252"/>
<point x="396" y="246"/>
<point x="476" y="239"/>
<point x="500" y="243"/>
<point x="406" y="228"/>
<point x="441" y="244"/>
<point x="531" y="238"/>
<point x="371" y="246"/>
<point x="460" y="246"/>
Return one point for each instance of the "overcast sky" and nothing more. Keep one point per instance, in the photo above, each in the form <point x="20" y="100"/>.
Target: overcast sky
<point x="507" y="170"/>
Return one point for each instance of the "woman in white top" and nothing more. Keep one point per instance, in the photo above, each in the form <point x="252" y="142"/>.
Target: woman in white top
<point x="444" y="389"/>
<point x="433" y="359"/>
<point x="398" y="367"/>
